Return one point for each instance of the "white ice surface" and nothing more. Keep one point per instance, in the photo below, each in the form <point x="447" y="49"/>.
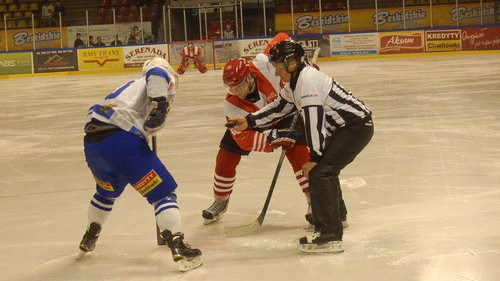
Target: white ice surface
<point x="423" y="198"/>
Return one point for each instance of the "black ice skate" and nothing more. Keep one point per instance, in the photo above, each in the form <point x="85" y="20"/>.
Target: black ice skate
<point x="187" y="257"/>
<point x="89" y="239"/>
<point x="321" y="243"/>
<point x="215" y="212"/>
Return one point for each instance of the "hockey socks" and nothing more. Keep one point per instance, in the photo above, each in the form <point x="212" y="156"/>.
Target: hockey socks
<point x="167" y="213"/>
<point x="99" y="209"/>
<point x="225" y="173"/>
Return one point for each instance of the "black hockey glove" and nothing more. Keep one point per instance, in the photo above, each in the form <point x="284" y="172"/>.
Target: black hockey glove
<point x="156" y="118"/>
<point x="282" y="137"/>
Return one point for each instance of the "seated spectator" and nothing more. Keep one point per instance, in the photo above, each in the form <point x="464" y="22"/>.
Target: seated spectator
<point x="78" y="41"/>
<point x="131" y="40"/>
<point x="153" y="39"/>
<point x="99" y="42"/>
<point x="91" y="41"/>
<point x="116" y="42"/>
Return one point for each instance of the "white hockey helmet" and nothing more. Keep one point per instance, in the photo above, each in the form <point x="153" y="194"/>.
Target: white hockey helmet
<point x="161" y="63"/>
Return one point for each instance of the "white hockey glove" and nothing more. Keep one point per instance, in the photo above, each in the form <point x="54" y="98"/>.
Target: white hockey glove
<point x="157" y="116"/>
<point x="281" y="137"/>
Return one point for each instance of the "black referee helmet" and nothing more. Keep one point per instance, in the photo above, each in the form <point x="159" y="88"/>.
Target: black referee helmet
<point x="286" y="50"/>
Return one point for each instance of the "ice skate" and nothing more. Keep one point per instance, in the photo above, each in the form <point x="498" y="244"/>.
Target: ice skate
<point x="182" y="253"/>
<point x="321" y="243"/>
<point x="89" y="239"/>
<point x="215" y="212"/>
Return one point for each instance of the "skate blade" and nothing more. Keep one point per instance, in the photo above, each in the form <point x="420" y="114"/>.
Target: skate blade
<point x="216" y="219"/>
<point x="330" y="247"/>
<point x="189" y="264"/>
<point x="80" y="255"/>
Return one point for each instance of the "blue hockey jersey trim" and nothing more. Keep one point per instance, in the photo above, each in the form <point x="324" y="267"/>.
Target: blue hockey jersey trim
<point x="135" y="131"/>
<point x="118" y="91"/>
<point x="105" y="111"/>
<point x="158" y="71"/>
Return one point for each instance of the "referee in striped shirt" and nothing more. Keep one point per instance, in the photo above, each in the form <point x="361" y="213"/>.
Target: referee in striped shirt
<point x="338" y="126"/>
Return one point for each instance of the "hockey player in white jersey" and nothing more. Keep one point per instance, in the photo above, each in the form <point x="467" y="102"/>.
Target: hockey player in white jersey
<point x="117" y="153"/>
<point x="338" y="126"/>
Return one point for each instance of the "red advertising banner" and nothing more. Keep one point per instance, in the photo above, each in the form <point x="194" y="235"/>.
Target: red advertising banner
<point x="486" y="38"/>
<point x="401" y="42"/>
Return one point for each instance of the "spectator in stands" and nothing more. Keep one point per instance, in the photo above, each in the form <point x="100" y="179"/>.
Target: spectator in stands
<point x="99" y="42"/>
<point x="228" y="32"/>
<point x="153" y="39"/>
<point x="78" y="41"/>
<point x="135" y="36"/>
<point x="91" y="41"/>
<point x="116" y="42"/>
<point x="59" y="8"/>
<point x="131" y="40"/>
<point x="47" y="14"/>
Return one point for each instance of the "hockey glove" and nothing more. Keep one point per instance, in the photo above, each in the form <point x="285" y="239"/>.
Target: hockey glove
<point x="156" y="118"/>
<point x="282" y="137"/>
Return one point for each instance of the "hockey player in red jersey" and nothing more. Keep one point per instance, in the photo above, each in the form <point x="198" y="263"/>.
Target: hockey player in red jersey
<point x="251" y="86"/>
<point x="191" y="54"/>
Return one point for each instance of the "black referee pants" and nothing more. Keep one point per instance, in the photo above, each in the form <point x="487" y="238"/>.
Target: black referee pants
<point x="342" y="147"/>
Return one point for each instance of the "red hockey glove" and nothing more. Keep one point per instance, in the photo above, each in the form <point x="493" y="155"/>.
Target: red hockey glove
<point x="282" y="137"/>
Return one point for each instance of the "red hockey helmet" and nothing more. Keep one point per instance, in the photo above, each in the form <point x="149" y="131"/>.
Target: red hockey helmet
<point x="278" y="38"/>
<point x="235" y="72"/>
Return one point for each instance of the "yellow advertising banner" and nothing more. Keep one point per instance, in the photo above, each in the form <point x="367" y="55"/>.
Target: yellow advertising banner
<point x="22" y="39"/>
<point x="386" y="18"/>
<point x="100" y="58"/>
<point x="442" y="40"/>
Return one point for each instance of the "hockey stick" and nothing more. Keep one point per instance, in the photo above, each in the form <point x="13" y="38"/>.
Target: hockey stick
<point x="159" y="239"/>
<point x="253" y="226"/>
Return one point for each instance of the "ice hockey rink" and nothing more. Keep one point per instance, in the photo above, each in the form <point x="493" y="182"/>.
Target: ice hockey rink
<point x="423" y="198"/>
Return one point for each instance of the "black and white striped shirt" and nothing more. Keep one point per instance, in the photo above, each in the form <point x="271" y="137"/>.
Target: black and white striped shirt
<point x="324" y="103"/>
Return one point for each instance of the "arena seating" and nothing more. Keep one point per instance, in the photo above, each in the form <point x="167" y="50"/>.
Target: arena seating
<point x="127" y="10"/>
<point x="18" y="13"/>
